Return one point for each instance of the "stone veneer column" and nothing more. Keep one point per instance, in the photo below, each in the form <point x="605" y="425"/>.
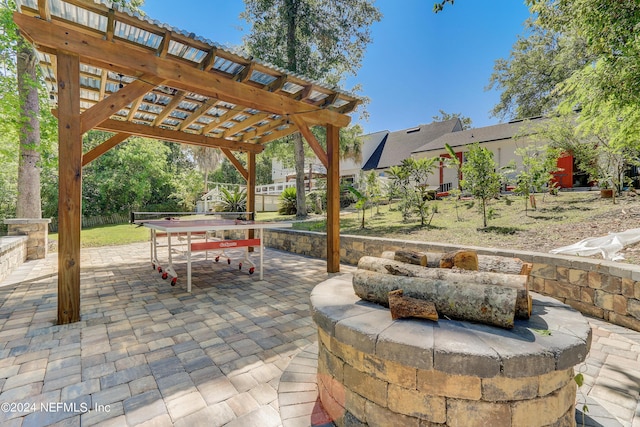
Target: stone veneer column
<point x="38" y="232"/>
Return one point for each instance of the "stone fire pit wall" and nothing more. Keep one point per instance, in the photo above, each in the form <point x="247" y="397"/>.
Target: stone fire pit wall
<point x="376" y="371"/>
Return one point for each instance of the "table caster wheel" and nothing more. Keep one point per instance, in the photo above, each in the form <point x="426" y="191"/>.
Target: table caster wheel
<point x="153" y="266"/>
<point x="165" y="275"/>
<point x="159" y="269"/>
<point x="240" y="266"/>
<point x="173" y="281"/>
<point x="217" y="258"/>
<point x="228" y="260"/>
<point x="252" y="270"/>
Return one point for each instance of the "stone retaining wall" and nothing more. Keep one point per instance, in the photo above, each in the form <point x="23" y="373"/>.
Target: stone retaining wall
<point x="13" y="252"/>
<point x="603" y="289"/>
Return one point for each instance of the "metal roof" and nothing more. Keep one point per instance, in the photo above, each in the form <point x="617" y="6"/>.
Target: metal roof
<point x="170" y="106"/>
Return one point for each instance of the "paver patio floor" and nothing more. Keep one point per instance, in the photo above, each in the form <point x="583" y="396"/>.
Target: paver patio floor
<point x="237" y="351"/>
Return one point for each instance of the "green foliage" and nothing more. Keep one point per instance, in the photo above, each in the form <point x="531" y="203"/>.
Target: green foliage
<point x="540" y="60"/>
<point x="361" y="201"/>
<point x="287" y="202"/>
<point x="322" y="40"/>
<point x="606" y="89"/>
<point x="234" y="200"/>
<point x="443" y="116"/>
<point x="409" y="182"/>
<point x="129" y="177"/>
<point x="538" y="165"/>
<point x="480" y="176"/>
<point x="227" y="173"/>
<point x="595" y="148"/>
<point x="439" y="6"/>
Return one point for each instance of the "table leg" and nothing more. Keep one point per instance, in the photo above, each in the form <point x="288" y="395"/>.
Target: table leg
<point x="188" y="261"/>
<point x="260" y="232"/>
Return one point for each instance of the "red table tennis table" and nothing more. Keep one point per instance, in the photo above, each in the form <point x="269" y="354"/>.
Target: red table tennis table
<point x="204" y="231"/>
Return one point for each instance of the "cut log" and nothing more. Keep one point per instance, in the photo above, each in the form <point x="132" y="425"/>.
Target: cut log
<point x="518" y="282"/>
<point x="402" y="306"/>
<point x="463" y="259"/>
<point x="492" y="263"/>
<point x="409" y="257"/>
<point x="490" y="304"/>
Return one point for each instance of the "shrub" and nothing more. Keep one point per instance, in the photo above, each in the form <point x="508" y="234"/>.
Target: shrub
<point x="233" y="201"/>
<point x="288" y="202"/>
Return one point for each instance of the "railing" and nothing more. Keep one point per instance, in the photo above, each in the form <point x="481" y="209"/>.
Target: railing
<point x="444" y="188"/>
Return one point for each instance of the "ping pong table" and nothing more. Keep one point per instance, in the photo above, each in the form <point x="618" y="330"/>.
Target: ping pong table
<point x="205" y="231"/>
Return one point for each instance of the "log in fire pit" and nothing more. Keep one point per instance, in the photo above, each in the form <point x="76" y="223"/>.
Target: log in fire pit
<point x="377" y="371"/>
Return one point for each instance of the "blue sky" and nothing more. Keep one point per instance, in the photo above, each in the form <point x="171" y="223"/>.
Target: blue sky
<point x="419" y="62"/>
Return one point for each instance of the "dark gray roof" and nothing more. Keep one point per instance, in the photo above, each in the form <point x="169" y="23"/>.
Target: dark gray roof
<point x="400" y="144"/>
<point x="372" y="147"/>
<point x="483" y="135"/>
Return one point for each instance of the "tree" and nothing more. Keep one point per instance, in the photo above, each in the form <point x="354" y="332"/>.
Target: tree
<point x="454" y="162"/>
<point x="207" y="160"/>
<point x="439" y="6"/>
<point x="606" y="89"/>
<point x="538" y="165"/>
<point x="466" y="121"/>
<point x="480" y="176"/>
<point x="399" y="187"/>
<point x="409" y="181"/>
<point x="539" y="61"/>
<point x="604" y="159"/>
<point x="321" y="40"/>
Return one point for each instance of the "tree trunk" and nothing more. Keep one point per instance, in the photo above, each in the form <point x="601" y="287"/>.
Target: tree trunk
<point x="488" y="263"/>
<point x="514" y="281"/>
<point x="402" y="307"/>
<point x="291" y="14"/>
<point x="301" y="204"/>
<point x="490" y="304"/>
<point x="409" y="257"/>
<point x="463" y="259"/>
<point x="28" y="204"/>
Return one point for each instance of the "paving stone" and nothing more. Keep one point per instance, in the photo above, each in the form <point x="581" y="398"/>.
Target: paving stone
<point x="185" y="404"/>
<point x="231" y="327"/>
<point x="215" y="415"/>
<point x="143" y="407"/>
<point x="23" y="379"/>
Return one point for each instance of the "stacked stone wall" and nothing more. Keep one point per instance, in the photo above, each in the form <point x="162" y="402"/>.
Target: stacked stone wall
<point x="604" y="289"/>
<point x="13" y="252"/>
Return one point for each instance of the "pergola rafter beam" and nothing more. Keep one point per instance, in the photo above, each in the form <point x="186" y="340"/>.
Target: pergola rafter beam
<point x="176" y="73"/>
<point x="99" y="150"/>
<point x="311" y="140"/>
<point x="118" y="126"/>
<point x="236" y="163"/>
<point x="116" y="101"/>
<point x="177" y="99"/>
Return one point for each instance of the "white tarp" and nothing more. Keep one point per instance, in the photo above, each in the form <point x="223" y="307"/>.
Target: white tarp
<point x="608" y="246"/>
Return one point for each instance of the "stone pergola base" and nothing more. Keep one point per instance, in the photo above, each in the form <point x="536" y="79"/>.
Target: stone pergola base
<point x="375" y="371"/>
<point x="36" y="229"/>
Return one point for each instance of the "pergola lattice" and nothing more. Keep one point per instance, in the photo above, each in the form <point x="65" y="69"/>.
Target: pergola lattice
<point x="111" y="70"/>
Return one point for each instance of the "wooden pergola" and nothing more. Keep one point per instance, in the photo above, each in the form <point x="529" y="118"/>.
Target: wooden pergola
<point x="111" y="70"/>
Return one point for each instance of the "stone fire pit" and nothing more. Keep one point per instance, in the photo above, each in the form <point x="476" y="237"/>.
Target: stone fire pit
<point x="376" y="371"/>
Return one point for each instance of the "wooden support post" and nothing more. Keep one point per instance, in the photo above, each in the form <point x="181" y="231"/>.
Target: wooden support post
<point x="69" y="187"/>
<point x="333" y="199"/>
<point x="251" y="190"/>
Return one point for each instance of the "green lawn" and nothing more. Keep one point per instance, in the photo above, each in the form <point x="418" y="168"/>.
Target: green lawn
<point x="122" y="234"/>
<point x="108" y="235"/>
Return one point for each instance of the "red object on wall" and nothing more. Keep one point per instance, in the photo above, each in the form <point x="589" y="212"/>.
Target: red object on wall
<point x="564" y="177"/>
